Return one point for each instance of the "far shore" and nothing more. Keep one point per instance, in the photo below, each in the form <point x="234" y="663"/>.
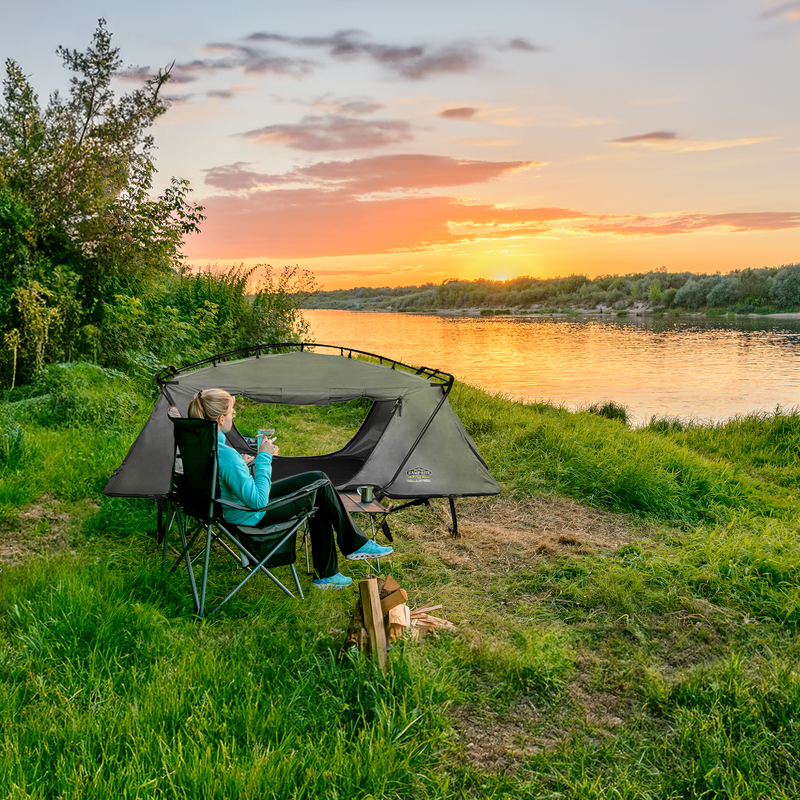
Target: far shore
<point x="604" y="313"/>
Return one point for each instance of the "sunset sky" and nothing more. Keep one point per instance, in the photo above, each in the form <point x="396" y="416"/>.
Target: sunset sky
<point x="379" y="143"/>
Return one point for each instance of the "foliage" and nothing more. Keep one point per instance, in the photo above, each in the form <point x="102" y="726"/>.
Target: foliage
<point x="77" y="222"/>
<point x="187" y="316"/>
<point x="72" y="395"/>
<point x="723" y="293"/>
<point x="90" y="262"/>
<point x="692" y="294"/>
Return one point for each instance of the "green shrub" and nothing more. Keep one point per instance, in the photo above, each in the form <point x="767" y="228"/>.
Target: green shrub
<point x="79" y="394"/>
<point x="609" y="410"/>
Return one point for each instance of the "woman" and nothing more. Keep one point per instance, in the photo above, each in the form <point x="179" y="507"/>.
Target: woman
<point x="238" y="485"/>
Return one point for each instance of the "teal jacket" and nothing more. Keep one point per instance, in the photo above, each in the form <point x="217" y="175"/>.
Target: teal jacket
<point x="238" y="485"/>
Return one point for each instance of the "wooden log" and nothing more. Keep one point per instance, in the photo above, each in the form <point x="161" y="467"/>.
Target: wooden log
<point x="397" y="622"/>
<point x="373" y="619"/>
<point x="392" y="600"/>
<point x="355" y="630"/>
<point x="390" y="584"/>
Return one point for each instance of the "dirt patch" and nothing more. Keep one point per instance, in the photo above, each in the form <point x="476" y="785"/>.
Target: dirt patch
<point x="501" y="533"/>
<point x="43" y="528"/>
<point x="500" y="743"/>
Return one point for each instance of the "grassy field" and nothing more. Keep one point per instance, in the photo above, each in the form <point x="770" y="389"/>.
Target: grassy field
<point x="626" y="621"/>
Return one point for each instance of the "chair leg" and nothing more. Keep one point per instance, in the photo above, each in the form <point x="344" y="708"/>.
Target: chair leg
<point x="184" y="554"/>
<point x="205" y="572"/>
<point x="305" y="543"/>
<point x="377" y="568"/>
<point x="297" y="582"/>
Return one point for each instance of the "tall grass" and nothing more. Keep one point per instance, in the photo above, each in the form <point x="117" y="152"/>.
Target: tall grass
<point x="537" y="447"/>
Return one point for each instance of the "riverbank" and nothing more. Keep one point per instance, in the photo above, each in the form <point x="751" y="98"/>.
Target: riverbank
<point x="626" y="620"/>
<point x="604" y="313"/>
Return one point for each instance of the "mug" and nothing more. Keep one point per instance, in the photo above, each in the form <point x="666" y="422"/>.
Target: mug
<point x="261" y="433"/>
<point x="366" y="494"/>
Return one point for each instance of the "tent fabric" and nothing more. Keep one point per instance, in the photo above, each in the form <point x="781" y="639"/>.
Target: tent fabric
<point x="411" y="444"/>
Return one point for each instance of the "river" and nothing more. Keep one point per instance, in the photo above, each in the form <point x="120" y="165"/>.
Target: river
<point x="688" y="367"/>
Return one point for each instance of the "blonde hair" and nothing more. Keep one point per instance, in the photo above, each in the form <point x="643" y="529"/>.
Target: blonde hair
<point x="210" y="404"/>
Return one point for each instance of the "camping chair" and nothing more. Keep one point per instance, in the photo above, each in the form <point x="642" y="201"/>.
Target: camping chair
<point x="196" y="506"/>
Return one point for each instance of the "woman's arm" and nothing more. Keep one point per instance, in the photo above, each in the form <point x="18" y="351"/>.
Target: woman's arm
<point x="235" y="478"/>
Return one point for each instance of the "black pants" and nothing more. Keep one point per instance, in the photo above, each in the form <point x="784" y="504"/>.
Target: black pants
<point x="330" y="516"/>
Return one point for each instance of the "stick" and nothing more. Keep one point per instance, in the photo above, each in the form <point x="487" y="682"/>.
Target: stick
<point x="425" y="609"/>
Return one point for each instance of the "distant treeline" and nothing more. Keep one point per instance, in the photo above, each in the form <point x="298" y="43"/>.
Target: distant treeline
<point x="749" y="291"/>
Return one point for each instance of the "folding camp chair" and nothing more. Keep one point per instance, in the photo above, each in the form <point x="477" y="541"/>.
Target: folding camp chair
<point x="196" y="506"/>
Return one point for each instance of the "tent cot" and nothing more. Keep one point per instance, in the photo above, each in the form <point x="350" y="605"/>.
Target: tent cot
<point x="410" y="446"/>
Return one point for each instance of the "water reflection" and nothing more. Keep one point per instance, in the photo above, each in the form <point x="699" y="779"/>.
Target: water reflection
<point x="703" y="368"/>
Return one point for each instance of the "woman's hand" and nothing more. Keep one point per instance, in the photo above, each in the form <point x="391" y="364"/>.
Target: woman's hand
<point x="268" y="446"/>
<point x="248" y="459"/>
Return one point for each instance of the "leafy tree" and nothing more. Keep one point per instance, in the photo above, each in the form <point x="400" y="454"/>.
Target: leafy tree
<point x="77" y="220"/>
<point x="723" y="293"/>
<point x="785" y="289"/>
<point x="692" y="294"/>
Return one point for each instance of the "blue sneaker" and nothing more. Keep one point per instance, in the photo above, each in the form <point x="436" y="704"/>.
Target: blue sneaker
<point x="337" y="581"/>
<point x="370" y="550"/>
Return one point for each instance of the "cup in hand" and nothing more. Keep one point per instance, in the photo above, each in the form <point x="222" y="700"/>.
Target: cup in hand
<point x="261" y="433"/>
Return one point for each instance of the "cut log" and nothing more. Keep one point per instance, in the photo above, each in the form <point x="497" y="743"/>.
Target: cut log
<point x="397" y="623"/>
<point x="392" y="600"/>
<point x="390" y="584"/>
<point x="373" y="619"/>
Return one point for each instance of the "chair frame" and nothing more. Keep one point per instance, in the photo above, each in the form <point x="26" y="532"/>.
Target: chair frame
<point x="218" y="530"/>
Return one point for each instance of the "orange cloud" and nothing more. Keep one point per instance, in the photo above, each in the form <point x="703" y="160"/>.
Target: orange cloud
<point x="309" y="223"/>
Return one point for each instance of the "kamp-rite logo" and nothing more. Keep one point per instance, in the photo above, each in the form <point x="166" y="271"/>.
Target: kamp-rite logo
<point x="418" y="475"/>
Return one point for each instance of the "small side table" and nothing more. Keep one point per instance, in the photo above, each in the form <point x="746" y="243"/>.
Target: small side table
<point x="353" y="504"/>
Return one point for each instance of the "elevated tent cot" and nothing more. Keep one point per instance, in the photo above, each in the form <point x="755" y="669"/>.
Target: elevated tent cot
<point x="411" y="445"/>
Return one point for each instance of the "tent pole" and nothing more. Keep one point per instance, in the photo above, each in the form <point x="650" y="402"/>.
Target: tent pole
<point x="456" y="534"/>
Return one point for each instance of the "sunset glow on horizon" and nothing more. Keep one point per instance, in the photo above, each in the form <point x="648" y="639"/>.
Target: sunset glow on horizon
<point x="383" y="145"/>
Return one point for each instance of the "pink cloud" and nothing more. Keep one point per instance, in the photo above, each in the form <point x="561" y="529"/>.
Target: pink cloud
<point x="334" y="132"/>
<point x="464" y="112"/>
<point x="375" y="174"/>
<point x="656" y="136"/>
<point x="693" y="223"/>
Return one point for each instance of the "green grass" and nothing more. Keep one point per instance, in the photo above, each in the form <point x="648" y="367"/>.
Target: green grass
<point x="664" y="667"/>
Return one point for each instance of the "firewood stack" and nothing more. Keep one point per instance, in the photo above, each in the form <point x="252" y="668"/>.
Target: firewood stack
<point x="382" y="616"/>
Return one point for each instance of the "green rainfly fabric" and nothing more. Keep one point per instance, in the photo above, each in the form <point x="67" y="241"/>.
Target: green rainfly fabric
<point x="411" y="444"/>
